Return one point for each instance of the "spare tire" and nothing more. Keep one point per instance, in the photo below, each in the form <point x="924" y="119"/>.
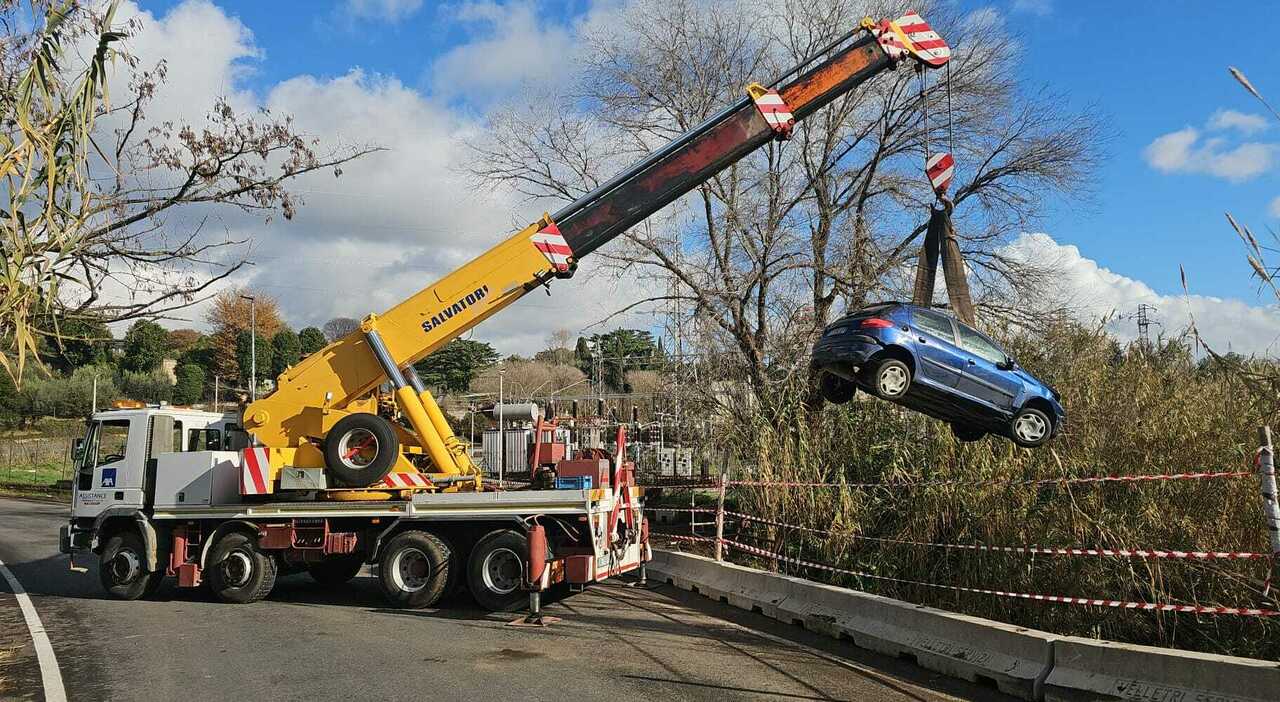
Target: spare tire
<point x="360" y="449"/>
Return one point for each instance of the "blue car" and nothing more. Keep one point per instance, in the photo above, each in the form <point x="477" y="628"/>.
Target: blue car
<point x="930" y="362"/>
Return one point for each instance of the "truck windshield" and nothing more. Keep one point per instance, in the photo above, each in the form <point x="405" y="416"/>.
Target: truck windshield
<point x="105" y="443"/>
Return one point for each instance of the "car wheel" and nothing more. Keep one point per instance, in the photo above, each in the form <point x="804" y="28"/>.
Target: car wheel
<point x="1030" y="428"/>
<point x="967" y="433"/>
<point x="835" y="389"/>
<point x="891" y="379"/>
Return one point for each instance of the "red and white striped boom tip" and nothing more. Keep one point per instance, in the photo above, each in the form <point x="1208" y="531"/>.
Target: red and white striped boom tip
<point x="551" y="243"/>
<point x="910" y="35"/>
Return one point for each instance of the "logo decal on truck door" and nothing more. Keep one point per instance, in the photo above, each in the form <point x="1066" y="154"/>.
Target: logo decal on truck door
<point x="108" y="477"/>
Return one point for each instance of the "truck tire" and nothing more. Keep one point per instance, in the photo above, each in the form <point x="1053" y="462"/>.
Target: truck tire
<point x="121" y="569"/>
<point x="360" y="449"/>
<point x="496" y="570"/>
<point x="335" y="570"/>
<point x="238" y="571"/>
<point x="416" y="569"/>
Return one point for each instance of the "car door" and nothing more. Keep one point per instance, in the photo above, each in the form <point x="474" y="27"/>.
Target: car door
<point x="981" y="376"/>
<point x="935" y="341"/>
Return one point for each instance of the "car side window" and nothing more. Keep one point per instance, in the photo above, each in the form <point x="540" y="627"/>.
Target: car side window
<point x="980" y="346"/>
<point x="935" y="324"/>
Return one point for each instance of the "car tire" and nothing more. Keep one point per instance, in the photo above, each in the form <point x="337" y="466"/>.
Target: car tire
<point x="238" y="571"/>
<point x="835" y="389"/>
<point x="966" y="433"/>
<point x="1030" y="428"/>
<point x="346" y="449"/>
<point x="495" y="571"/>
<point x="121" y="569"/>
<point x="335" y="570"/>
<point x="890" y="379"/>
<point x="416" y="569"/>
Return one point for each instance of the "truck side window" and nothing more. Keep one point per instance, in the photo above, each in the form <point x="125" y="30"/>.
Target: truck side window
<point x="236" y="439"/>
<point x="207" y="439"/>
<point x="107" y="443"/>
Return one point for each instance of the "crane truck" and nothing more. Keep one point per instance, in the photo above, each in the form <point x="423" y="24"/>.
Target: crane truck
<point x="350" y="460"/>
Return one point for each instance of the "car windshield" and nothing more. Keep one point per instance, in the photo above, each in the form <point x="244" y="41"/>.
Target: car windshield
<point x="981" y="346"/>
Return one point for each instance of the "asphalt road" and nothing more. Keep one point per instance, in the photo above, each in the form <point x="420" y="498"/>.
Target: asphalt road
<point x="309" y="643"/>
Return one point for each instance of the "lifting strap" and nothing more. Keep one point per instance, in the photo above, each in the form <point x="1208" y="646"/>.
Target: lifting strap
<point x="940" y="242"/>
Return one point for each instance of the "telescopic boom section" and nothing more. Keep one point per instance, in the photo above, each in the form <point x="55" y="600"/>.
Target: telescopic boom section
<point x="338" y="380"/>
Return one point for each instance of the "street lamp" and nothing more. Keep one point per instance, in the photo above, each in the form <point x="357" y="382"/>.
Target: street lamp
<point x="253" y="346"/>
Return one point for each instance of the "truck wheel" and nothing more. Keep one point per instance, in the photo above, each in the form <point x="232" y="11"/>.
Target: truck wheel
<point x="336" y="570"/>
<point x="361" y="449"/>
<point x="495" y="571"/>
<point x="415" y="569"/>
<point x="120" y="568"/>
<point x="238" y="571"/>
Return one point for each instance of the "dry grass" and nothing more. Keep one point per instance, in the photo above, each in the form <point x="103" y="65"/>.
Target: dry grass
<point x="1131" y="411"/>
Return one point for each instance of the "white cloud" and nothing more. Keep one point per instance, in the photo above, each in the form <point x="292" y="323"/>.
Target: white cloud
<point x="1274" y="209"/>
<point x="516" y="47"/>
<point x="1034" y="7"/>
<point x="395" y="221"/>
<point x="1095" y="292"/>
<point x="1244" y="122"/>
<point x="1184" y="151"/>
<point x="386" y="10"/>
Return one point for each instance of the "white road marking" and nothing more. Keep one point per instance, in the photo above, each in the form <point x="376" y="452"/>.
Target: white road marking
<point x="50" y="675"/>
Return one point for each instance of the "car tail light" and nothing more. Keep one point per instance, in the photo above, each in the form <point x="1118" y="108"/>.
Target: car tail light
<point x="875" y="323"/>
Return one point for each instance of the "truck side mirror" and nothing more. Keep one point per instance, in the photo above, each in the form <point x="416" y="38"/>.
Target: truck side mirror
<point x="77" y="450"/>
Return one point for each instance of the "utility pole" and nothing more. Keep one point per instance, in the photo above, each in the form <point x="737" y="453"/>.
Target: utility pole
<point x="1145" y="322"/>
<point x="253" y="347"/>
<point x="502" y="430"/>
<point x="95" y="396"/>
<point x="215" y="393"/>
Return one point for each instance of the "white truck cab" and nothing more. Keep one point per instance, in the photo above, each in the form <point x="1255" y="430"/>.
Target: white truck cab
<point x="116" y="462"/>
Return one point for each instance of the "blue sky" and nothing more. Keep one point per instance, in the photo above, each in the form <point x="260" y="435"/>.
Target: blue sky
<point x="1188" y="143"/>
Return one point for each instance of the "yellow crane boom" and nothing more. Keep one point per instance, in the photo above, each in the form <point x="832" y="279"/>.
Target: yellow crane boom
<point x="324" y="411"/>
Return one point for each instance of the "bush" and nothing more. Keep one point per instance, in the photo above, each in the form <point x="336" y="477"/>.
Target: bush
<point x="68" y="397"/>
<point x="150" y="388"/>
<point x="190" y="386"/>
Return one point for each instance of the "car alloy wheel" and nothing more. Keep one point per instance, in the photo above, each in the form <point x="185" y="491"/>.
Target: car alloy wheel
<point x="1031" y="428"/>
<point x="892" y="379"/>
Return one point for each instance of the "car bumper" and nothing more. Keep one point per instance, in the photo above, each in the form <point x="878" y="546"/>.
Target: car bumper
<point x="845" y="354"/>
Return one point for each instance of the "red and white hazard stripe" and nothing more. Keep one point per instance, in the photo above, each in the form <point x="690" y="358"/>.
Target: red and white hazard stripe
<point x="940" y="168"/>
<point x="1155" y="477"/>
<point x="406" y="480"/>
<point x="928" y="46"/>
<point x="552" y="244"/>
<point x="255" y="472"/>
<point x="776" y="112"/>
<point x="1060" y="599"/>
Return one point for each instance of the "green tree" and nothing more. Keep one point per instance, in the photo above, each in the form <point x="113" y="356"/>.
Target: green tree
<point x="150" y="387"/>
<point x="190" y="386"/>
<point x="456" y="364"/>
<point x="312" y="340"/>
<point x="244" y="342"/>
<point x="286" y="350"/>
<point x="80" y="341"/>
<point x="620" y="350"/>
<point x="144" y="346"/>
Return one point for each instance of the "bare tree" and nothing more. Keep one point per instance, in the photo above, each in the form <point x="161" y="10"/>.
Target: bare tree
<point x="92" y="183"/>
<point x="339" y="327"/>
<point x="768" y="250"/>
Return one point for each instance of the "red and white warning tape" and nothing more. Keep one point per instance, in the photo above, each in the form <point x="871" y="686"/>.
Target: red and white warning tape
<point x="681" y="509"/>
<point x="1030" y="550"/>
<point x="1060" y="599"/>
<point x="677" y="537"/>
<point x="1158" y="477"/>
<point x="682" y="486"/>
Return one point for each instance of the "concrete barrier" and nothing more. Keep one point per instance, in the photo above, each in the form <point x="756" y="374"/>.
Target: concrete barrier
<point x="1030" y="664"/>
<point x="1014" y="659"/>
<point x="1087" y="669"/>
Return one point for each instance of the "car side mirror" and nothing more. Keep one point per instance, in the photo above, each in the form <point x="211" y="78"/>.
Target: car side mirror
<point x="77" y="450"/>
<point x="1007" y="364"/>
